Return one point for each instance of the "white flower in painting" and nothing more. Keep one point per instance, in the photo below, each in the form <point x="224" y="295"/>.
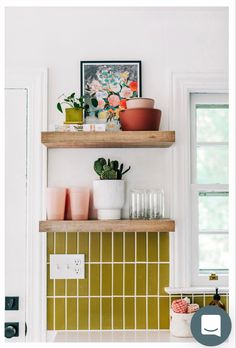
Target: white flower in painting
<point x="115" y="88"/>
<point x="101" y="94"/>
<point x="126" y="93"/>
<point x="95" y="86"/>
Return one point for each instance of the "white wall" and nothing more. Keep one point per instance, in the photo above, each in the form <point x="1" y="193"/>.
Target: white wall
<point x="165" y="39"/>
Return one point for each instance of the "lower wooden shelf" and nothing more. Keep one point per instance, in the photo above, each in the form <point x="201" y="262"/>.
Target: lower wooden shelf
<point x="162" y="225"/>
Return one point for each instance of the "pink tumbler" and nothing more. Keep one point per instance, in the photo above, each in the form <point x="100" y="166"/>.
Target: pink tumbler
<point x="56" y="198"/>
<point x="79" y="202"/>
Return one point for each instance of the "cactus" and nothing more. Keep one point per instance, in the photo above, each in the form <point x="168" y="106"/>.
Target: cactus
<point x="109" y="170"/>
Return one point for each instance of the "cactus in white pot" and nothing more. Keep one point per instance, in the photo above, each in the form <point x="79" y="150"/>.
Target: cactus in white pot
<point x="109" y="191"/>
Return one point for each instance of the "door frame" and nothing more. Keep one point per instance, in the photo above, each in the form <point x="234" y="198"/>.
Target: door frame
<point x="35" y="82"/>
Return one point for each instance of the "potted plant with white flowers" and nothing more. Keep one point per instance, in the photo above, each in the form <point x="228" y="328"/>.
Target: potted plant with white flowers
<point x="109" y="191"/>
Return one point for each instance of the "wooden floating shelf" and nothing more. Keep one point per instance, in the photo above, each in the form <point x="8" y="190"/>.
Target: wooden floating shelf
<point x="162" y="225"/>
<point x="108" y="139"/>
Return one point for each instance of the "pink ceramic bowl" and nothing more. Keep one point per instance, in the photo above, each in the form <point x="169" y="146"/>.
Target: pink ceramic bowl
<point x="144" y="103"/>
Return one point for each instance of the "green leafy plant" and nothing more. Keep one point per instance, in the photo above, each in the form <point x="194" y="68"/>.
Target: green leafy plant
<point x="109" y="170"/>
<point x="75" y="102"/>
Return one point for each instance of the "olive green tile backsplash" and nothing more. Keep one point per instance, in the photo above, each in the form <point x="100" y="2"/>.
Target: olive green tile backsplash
<point x="126" y="274"/>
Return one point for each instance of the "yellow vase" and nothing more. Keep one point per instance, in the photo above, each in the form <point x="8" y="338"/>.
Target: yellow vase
<point x="74" y="116"/>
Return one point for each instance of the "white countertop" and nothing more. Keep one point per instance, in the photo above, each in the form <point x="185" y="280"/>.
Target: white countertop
<point x="114" y="336"/>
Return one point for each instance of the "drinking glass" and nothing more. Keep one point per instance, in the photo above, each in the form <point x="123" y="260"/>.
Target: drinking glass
<point x="137" y="208"/>
<point x="155" y="204"/>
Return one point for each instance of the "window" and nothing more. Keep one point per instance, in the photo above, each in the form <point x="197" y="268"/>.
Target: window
<point x="209" y="188"/>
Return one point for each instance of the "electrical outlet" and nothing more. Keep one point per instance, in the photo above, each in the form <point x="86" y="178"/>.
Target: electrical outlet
<point x="67" y="266"/>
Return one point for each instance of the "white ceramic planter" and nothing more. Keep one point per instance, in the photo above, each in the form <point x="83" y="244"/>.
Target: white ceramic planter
<point x="180" y="324"/>
<point x="109" y="198"/>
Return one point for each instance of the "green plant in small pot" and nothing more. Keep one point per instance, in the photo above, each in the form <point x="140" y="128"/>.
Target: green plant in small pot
<point x="109" y="191"/>
<point x="74" y="113"/>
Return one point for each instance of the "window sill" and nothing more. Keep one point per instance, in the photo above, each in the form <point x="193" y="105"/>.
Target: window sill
<point x="196" y="290"/>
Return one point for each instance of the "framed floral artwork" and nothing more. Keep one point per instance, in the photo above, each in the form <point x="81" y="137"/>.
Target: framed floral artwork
<point x="111" y="83"/>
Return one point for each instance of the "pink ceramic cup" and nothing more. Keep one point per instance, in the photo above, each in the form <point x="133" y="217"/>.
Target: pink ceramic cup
<point x="56" y="199"/>
<point x="79" y="202"/>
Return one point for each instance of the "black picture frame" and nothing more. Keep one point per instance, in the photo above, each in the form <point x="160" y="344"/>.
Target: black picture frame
<point x="132" y="69"/>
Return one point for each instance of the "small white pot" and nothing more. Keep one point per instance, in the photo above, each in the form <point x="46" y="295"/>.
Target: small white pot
<point x="109" y="198"/>
<point x="180" y="324"/>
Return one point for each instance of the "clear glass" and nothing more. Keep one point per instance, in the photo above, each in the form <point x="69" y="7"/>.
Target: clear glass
<point x="212" y="164"/>
<point x="213" y="211"/>
<point x="137" y="208"/>
<point x="212" y="123"/>
<point x="213" y="252"/>
<point x="155" y="204"/>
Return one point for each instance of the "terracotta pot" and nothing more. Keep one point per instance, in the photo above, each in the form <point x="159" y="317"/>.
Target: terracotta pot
<point x="135" y="103"/>
<point x="140" y="119"/>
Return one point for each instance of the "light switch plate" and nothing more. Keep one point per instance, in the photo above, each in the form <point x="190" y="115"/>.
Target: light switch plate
<point x="67" y="266"/>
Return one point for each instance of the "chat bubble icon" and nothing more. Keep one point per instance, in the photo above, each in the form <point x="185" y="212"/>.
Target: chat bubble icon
<point x="211" y="324"/>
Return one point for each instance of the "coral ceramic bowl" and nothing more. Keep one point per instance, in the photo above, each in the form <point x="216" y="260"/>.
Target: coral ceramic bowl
<point x="140" y="119"/>
<point x="135" y="103"/>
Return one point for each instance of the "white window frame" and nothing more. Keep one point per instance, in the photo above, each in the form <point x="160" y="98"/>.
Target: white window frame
<point x="197" y="279"/>
<point x="181" y="87"/>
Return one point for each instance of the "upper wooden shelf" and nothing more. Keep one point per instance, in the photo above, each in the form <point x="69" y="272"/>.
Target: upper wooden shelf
<point x="108" y="139"/>
<point x="162" y="225"/>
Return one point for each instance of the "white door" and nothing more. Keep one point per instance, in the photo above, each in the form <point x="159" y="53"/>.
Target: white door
<point x="15" y="213"/>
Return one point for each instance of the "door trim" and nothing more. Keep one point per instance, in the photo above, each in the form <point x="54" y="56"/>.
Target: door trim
<point x="35" y="81"/>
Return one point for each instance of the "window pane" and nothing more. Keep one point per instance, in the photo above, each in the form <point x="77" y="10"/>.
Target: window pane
<point x="212" y="123"/>
<point x="213" y="251"/>
<point x="213" y="211"/>
<point x="212" y="164"/>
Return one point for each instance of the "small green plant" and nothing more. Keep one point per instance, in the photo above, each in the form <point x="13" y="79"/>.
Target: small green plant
<point x="109" y="170"/>
<point x="74" y="102"/>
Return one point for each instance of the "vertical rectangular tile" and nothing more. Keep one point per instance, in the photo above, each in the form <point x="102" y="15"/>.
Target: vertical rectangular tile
<point x="50" y="283"/>
<point x="153" y="313"/>
<point x="72" y="243"/>
<point x="95" y="313"/>
<point x="106" y="313"/>
<point x="71" y="287"/>
<point x="60" y="314"/>
<point x="50" y="245"/>
<point x="141" y="279"/>
<point x="84" y="244"/>
<point x="50" y="311"/>
<point x="129" y="313"/>
<point x="118" y="313"/>
<point x="60" y="289"/>
<point x="106" y="246"/>
<point x="141" y="312"/>
<point x="153" y="246"/>
<point x="208" y="299"/>
<point x="71" y="314"/>
<point x="129" y="246"/>
<point x="83" y="283"/>
<point x="152" y="279"/>
<point x="129" y="279"/>
<point x="118" y="280"/>
<point x="164" y="312"/>
<point x="199" y="300"/>
<point x="60" y="242"/>
<point x="164" y="247"/>
<point x="83" y="313"/>
<point x="94" y="280"/>
<point x="106" y="279"/>
<point x="223" y="300"/>
<point x="141" y="246"/>
<point x="163" y="278"/>
<point x="95" y="247"/>
<point x="118" y="247"/>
